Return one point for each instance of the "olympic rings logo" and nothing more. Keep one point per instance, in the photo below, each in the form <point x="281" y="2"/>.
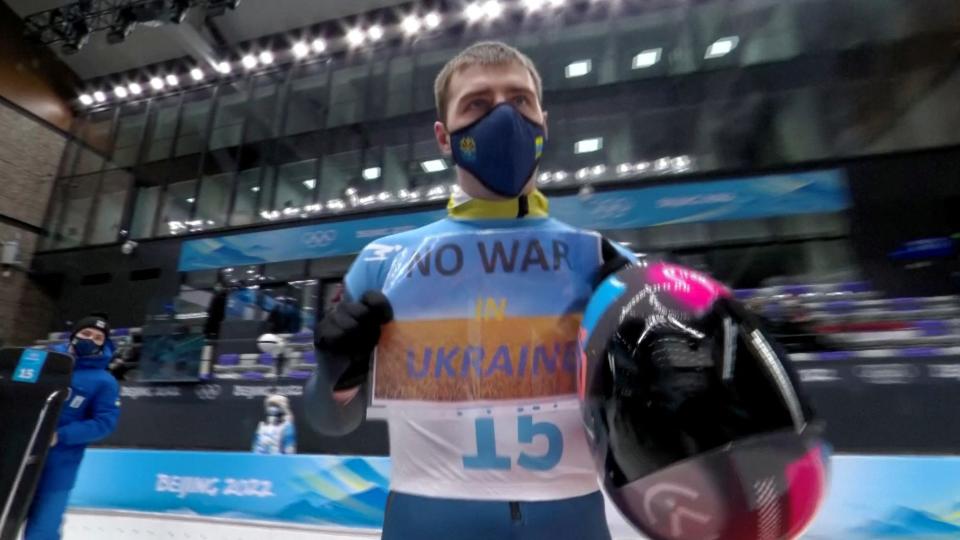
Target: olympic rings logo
<point x="319" y="239"/>
<point x="208" y="391"/>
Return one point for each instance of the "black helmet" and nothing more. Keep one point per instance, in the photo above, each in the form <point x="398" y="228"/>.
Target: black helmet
<point x="694" y="415"/>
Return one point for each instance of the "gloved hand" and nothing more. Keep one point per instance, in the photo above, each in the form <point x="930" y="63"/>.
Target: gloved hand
<point x="350" y="332"/>
<point x="613" y="262"/>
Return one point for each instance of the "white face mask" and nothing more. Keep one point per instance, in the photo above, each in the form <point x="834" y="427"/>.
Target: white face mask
<point x="275" y="414"/>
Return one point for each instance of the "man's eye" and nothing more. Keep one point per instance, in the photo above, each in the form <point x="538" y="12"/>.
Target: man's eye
<point x="521" y="100"/>
<point x="477" y="104"/>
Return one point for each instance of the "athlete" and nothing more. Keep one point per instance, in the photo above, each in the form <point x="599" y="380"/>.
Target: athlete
<point x="477" y="364"/>
<point x="276" y="434"/>
<point x="89" y="415"/>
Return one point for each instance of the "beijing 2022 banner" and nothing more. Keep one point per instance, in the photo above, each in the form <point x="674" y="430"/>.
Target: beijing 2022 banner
<point x="870" y="497"/>
<point x="319" y="490"/>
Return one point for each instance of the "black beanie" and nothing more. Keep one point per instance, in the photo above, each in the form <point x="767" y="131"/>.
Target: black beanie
<point x="96" y="321"/>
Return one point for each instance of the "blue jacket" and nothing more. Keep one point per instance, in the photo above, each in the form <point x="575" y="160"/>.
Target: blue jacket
<point x="89" y="414"/>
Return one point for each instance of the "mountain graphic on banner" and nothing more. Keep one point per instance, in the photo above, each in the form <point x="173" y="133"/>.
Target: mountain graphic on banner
<point x="905" y="522"/>
<point x="360" y="510"/>
<point x="226" y="255"/>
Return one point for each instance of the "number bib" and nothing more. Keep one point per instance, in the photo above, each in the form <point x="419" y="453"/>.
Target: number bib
<point x="478" y="370"/>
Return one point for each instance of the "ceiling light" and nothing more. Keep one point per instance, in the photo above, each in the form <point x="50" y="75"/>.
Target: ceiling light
<point x="196" y="74"/>
<point x="223" y="67"/>
<point x="135" y="88"/>
<point x="375" y="32"/>
<point x="545" y="177"/>
<point x="310" y="183"/>
<point x="682" y="163"/>
<point x="473" y="12"/>
<point x="191" y="200"/>
<point x="597" y="170"/>
<point x="556" y="3"/>
<point x="722" y="47"/>
<point x="588" y="145"/>
<point x="99" y="96"/>
<point x="492" y="9"/>
<point x="559" y="176"/>
<point x="336" y="204"/>
<point x="411" y="24"/>
<point x="255" y="189"/>
<point x="578" y="68"/>
<point x="249" y="61"/>
<point x="266" y="58"/>
<point x="432" y="20"/>
<point x="355" y="37"/>
<point x="156" y="83"/>
<point x="534" y="5"/>
<point x="646" y="58"/>
<point x="172" y="80"/>
<point x="433" y="165"/>
<point x="120" y="92"/>
<point x="86" y="99"/>
<point x="624" y="168"/>
<point x="300" y="49"/>
<point x="318" y="45"/>
<point x="371" y="173"/>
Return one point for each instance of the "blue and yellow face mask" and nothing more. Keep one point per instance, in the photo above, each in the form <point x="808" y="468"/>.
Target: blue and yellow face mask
<point x="502" y="149"/>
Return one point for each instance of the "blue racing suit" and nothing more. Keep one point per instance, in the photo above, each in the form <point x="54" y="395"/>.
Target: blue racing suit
<point x="89" y="414"/>
<point x="477" y="374"/>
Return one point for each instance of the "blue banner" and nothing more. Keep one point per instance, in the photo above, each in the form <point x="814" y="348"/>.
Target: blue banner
<point x="326" y="239"/>
<point x="749" y="198"/>
<point x="723" y="200"/>
<point x="870" y="497"/>
<point x="321" y="490"/>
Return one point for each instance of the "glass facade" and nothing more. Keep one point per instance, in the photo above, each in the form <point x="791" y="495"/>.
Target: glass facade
<point x="641" y="93"/>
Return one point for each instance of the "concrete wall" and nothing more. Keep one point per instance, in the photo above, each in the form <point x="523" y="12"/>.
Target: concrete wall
<point x="29" y="155"/>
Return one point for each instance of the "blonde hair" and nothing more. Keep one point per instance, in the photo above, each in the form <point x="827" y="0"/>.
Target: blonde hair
<point x="484" y="53"/>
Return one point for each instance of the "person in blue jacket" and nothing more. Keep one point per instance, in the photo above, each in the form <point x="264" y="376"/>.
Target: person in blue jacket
<point x="89" y="414"/>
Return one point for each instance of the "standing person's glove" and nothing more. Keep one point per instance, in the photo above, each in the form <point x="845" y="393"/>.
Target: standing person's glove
<point x="349" y="333"/>
<point x="613" y="262"/>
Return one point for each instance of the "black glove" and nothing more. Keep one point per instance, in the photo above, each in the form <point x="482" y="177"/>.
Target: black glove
<point x="350" y="332"/>
<point x="613" y="261"/>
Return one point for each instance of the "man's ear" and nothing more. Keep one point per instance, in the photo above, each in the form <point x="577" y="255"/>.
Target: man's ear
<point x="443" y="138"/>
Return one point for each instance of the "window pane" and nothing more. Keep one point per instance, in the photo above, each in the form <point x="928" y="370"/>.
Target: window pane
<point x="307" y="101"/>
<point x="396" y="167"/>
<point x="228" y="120"/>
<point x="248" y="193"/>
<point x="110" y="206"/>
<point x="428" y="65"/>
<point x="162" y="129"/>
<point x="130" y="127"/>
<point x="88" y="162"/>
<point x="76" y="197"/>
<point x="176" y="207"/>
<point x="339" y="171"/>
<point x="144" y="211"/>
<point x="263" y="101"/>
<point x="214" y="200"/>
<point x="94" y="131"/>
<point x="400" y="87"/>
<point x="346" y="96"/>
<point x="193" y="121"/>
<point x="296" y="184"/>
